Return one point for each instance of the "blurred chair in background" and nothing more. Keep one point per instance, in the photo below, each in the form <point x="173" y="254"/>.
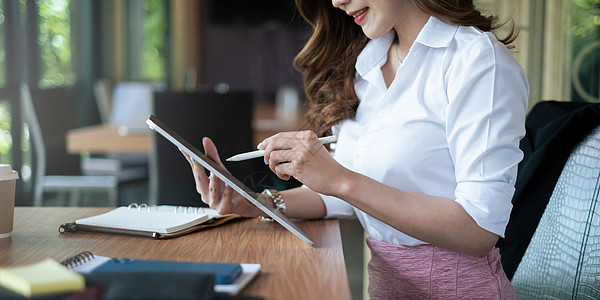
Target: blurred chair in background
<point x="49" y="114"/>
<point x="127" y="105"/>
<point x="132" y="103"/>
<point x="125" y="102"/>
<point x="224" y="117"/>
<point x="103" y="89"/>
<point x="191" y="77"/>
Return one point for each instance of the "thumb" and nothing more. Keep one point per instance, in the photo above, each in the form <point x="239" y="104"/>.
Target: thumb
<point x="211" y="150"/>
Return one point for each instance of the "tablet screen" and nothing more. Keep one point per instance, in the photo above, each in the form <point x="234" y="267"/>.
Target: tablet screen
<point x="226" y="176"/>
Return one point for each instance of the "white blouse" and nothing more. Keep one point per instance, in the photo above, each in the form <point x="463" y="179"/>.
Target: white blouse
<point x="448" y="126"/>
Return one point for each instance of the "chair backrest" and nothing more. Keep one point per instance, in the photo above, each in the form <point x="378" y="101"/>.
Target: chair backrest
<point x="132" y="102"/>
<point x="553" y="131"/>
<point x="103" y="94"/>
<point x="563" y="258"/>
<point x="49" y="114"/>
<point x="225" y="118"/>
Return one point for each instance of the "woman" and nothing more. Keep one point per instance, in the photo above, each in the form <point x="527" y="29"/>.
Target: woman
<point x="429" y="108"/>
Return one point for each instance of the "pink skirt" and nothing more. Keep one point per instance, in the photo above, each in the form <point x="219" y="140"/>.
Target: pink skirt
<point x="430" y="272"/>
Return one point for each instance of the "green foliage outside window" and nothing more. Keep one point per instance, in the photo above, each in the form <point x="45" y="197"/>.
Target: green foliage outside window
<point x="5" y="137"/>
<point x="55" y="43"/>
<point x="2" y="47"/>
<point x="586" y="36"/>
<point x="586" y="22"/>
<point x="155" y="29"/>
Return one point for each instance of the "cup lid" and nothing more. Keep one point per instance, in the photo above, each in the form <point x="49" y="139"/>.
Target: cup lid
<point x="7" y="173"/>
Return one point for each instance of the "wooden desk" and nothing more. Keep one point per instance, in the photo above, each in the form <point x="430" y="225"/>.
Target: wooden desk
<point x="290" y="269"/>
<point x="105" y="138"/>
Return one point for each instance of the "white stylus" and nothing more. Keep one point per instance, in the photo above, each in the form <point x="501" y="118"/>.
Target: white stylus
<point x="260" y="153"/>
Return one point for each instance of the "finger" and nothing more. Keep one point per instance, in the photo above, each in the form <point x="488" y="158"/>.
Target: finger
<point x="198" y="178"/>
<point x="276" y="143"/>
<point x="214" y="191"/>
<point x="187" y="157"/>
<point x="282" y="156"/>
<point x="211" y="151"/>
<point x="228" y="192"/>
<point x="202" y="181"/>
<point x="263" y="145"/>
<point x="284" y="171"/>
<point x="226" y="203"/>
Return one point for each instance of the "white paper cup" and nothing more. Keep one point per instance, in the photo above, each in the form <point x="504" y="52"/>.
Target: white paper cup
<point x="8" y="180"/>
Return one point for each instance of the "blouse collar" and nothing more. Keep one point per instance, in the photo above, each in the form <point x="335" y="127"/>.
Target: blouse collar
<point x="435" y="34"/>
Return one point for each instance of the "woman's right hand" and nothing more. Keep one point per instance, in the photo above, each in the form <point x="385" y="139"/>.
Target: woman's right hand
<point x="215" y="192"/>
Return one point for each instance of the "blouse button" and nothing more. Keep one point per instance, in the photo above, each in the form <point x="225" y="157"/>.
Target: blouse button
<point x="381" y="113"/>
<point x="361" y="151"/>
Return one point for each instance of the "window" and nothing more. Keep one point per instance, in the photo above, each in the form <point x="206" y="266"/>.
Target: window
<point x="145" y="41"/>
<point x="558" y="46"/>
<point x="54" y="40"/>
<point x="5" y="136"/>
<point x="73" y="43"/>
<point x="153" y="52"/>
<point x="5" y="120"/>
<point x="2" y="48"/>
<point x="586" y="50"/>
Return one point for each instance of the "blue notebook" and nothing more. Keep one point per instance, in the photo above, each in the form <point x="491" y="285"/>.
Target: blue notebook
<point x="87" y="263"/>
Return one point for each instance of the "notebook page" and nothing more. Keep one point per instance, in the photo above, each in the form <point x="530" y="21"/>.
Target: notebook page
<point x="162" y="220"/>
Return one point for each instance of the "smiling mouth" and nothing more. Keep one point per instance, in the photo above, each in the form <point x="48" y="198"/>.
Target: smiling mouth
<point x="358" y="13"/>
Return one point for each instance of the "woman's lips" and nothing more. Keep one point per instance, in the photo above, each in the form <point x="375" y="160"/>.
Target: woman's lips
<point x="359" y="15"/>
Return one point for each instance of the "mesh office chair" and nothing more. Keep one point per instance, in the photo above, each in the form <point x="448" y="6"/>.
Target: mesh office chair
<point x="49" y="115"/>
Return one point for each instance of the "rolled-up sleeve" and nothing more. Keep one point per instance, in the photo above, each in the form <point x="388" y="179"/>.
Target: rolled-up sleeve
<point x="487" y="103"/>
<point x="337" y="208"/>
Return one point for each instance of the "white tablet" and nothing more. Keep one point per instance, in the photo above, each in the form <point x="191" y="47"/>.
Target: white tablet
<point x="226" y="176"/>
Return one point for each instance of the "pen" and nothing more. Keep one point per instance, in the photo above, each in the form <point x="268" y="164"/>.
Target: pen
<point x="259" y="153"/>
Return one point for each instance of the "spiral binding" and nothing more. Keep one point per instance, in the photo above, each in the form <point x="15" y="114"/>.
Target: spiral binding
<point x="141" y="206"/>
<point x="189" y="209"/>
<point x="178" y="209"/>
<point x="78" y="259"/>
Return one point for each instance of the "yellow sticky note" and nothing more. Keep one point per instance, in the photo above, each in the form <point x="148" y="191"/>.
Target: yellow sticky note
<point x="42" y="278"/>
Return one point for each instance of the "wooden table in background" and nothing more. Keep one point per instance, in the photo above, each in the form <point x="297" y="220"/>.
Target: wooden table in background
<point x="290" y="269"/>
<point x="106" y="139"/>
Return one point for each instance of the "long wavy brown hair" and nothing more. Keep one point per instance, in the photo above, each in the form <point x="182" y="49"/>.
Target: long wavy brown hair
<point x="327" y="61"/>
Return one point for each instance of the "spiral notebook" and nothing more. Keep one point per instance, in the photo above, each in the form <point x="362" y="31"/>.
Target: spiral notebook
<point x="162" y="221"/>
<point x="229" y="278"/>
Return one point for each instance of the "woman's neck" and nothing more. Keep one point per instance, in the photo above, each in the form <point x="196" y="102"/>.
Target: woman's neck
<point x="408" y="29"/>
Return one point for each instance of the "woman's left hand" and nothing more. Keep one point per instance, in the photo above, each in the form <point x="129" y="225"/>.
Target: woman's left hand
<point x="214" y="192"/>
<point x="301" y="155"/>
